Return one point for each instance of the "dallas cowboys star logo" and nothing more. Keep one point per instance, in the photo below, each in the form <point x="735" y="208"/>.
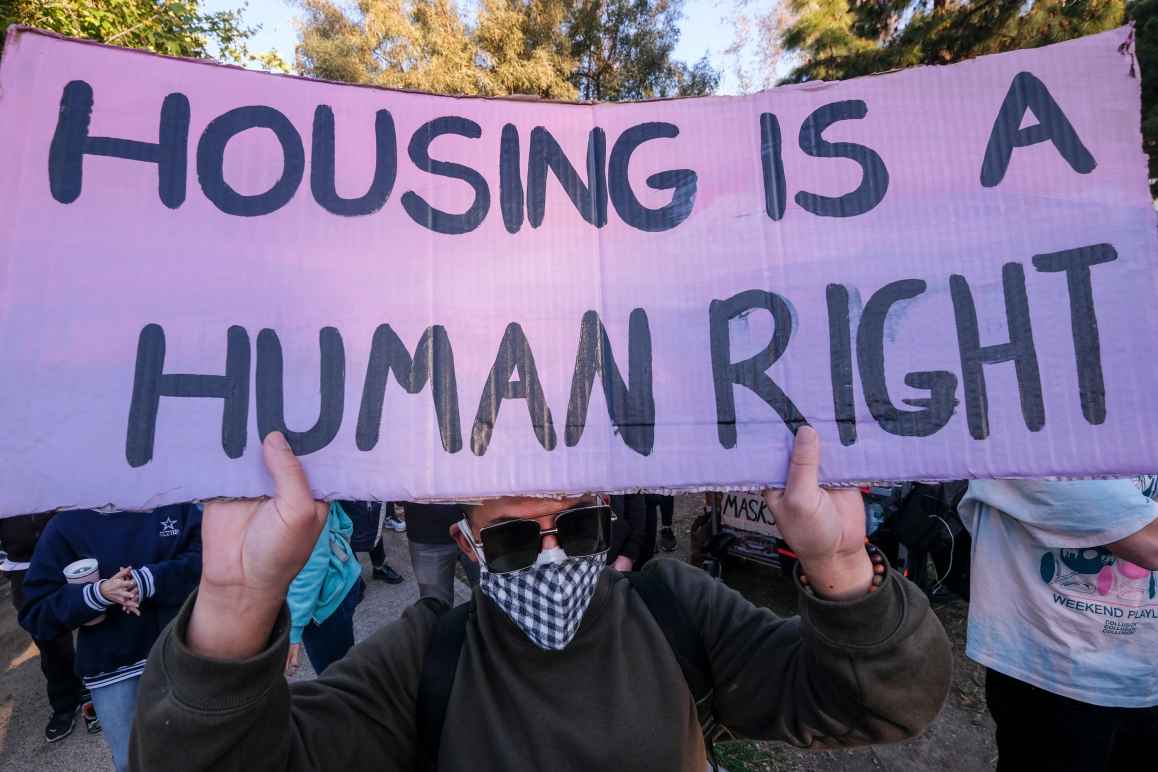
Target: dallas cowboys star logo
<point x="168" y="527"/>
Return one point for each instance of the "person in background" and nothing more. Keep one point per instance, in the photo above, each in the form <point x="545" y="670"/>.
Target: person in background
<point x="433" y="552"/>
<point x="1064" y="615"/>
<point x="557" y="667"/>
<point x="66" y="693"/>
<point x="323" y="596"/>
<point x="148" y="563"/>
<point x="666" y="507"/>
<point x="367" y="517"/>
<point x="392" y="520"/>
<point x="632" y="534"/>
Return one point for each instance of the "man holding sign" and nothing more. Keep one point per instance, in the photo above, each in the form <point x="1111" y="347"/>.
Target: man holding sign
<point x="949" y="271"/>
<point x="556" y="669"/>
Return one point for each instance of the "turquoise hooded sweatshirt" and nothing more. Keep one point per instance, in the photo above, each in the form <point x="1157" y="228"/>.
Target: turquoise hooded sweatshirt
<point x="326" y="579"/>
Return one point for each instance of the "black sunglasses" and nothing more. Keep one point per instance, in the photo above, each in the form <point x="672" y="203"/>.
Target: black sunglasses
<point x="513" y="545"/>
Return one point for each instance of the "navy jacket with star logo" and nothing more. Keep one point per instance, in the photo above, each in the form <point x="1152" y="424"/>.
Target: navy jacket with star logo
<point x="162" y="546"/>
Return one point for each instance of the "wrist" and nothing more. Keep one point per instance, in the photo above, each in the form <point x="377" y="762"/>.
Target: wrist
<point x="843" y="576"/>
<point x="230" y="624"/>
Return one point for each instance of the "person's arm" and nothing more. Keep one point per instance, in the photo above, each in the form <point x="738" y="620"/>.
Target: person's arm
<point x="635" y="513"/>
<point x="52" y="606"/>
<point x="843" y="673"/>
<point x="1075" y="514"/>
<point x="242" y="714"/>
<point x="302" y="597"/>
<point x="214" y="685"/>
<point x="1140" y="547"/>
<point x="170" y="581"/>
<point x="866" y="662"/>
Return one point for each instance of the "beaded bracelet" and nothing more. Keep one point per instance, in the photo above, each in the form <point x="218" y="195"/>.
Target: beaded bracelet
<point x="880" y="567"/>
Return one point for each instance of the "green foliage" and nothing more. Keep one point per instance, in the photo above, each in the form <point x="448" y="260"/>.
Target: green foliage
<point x="1144" y="14"/>
<point x="423" y="45"/>
<point x="557" y="49"/>
<point x="173" y="27"/>
<point x="524" y="47"/>
<point x="623" y="50"/>
<point x="836" y="39"/>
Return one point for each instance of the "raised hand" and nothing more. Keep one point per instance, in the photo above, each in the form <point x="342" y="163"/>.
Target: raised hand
<point x="251" y="551"/>
<point x="824" y="527"/>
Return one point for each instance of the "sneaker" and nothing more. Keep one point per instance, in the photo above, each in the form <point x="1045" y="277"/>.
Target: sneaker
<point x="60" y="726"/>
<point x="667" y="539"/>
<point x="394" y="523"/>
<point x="384" y="573"/>
<point x="92" y="723"/>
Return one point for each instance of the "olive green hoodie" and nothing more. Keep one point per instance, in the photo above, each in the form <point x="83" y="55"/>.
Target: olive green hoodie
<point x="842" y="674"/>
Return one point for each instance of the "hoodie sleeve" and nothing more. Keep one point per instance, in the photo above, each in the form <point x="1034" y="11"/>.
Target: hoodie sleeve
<point x="302" y="597"/>
<point x="52" y="606"/>
<point x="842" y="674"/>
<point x="169" y="582"/>
<point x="242" y="714"/>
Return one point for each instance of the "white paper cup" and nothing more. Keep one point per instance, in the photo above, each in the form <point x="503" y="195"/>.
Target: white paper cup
<point x="84" y="571"/>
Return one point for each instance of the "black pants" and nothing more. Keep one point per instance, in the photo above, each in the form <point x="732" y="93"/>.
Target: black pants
<point x="57" y="658"/>
<point x="666" y="506"/>
<point x="378" y="554"/>
<point x="1045" y="732"/>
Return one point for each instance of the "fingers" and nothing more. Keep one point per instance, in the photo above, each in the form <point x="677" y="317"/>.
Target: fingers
<point x="804" y="465"/>
<point x="291" y="487"/>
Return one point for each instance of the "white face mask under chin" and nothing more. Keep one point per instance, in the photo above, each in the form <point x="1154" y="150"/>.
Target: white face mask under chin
<point x="547" y="600"/>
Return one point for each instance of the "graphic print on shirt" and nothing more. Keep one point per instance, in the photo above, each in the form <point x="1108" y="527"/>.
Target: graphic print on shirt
<point x="1094" y="581"/>
<point x="169" y="527"/>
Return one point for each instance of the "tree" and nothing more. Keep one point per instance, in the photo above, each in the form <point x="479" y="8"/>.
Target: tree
<point x="623" y="50"/>
<point x="558" y="49"/>
<point x="173" y="27"/>
<point x="834" y="39"/>
<point x="1144" y="14"/>
<point x="412" y="44"/>
<point x="525" y="48"/>
<point x="425" y="45"/>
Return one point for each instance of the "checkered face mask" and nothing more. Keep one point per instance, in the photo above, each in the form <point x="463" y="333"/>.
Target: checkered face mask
<point x="546" y="601"/>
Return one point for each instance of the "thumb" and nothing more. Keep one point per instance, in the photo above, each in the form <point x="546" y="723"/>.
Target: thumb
<point x="804" y="465"/>
<point x="291" y="487"/>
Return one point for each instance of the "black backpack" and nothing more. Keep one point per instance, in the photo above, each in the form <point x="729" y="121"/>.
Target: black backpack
<point x="438" y="669"/>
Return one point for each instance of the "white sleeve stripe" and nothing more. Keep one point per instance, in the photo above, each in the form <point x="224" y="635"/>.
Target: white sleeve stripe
<point x="151" y="584"/>
<point x="100" y="599"/>
<point x="92" y="598"/>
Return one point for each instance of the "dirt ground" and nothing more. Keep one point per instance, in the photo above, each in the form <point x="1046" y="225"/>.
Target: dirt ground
<point x="960" y="740"/>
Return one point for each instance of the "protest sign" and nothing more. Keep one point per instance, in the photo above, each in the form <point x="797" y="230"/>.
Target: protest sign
<point x="948" y="271"/>
<point x="748" y="512"/>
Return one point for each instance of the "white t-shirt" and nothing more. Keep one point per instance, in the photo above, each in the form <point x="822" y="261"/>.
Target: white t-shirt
<point x="1051" y="606"/>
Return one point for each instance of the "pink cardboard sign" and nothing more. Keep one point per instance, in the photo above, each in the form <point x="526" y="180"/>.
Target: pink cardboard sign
<point x="948" y="271"/>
